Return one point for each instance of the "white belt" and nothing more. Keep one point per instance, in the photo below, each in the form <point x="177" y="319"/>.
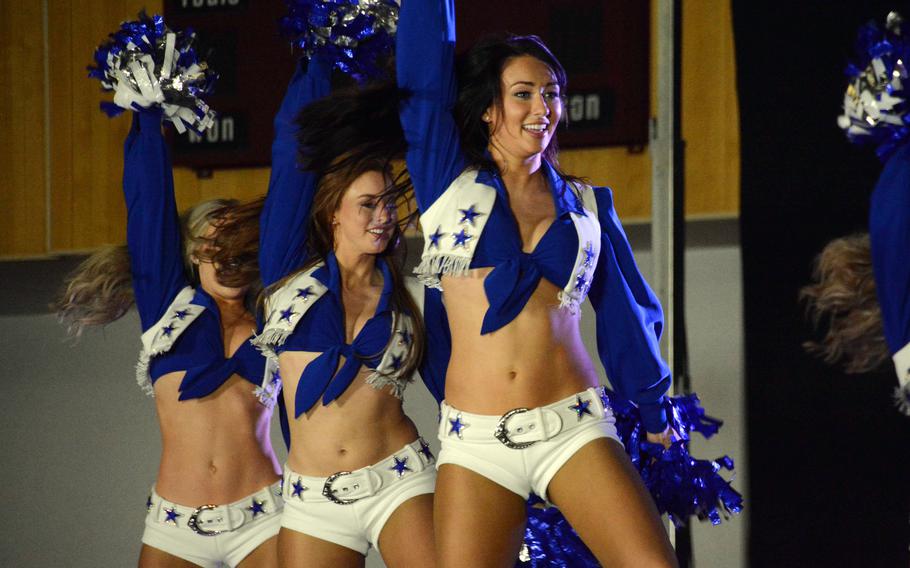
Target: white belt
<point x="520" y="428"/>
<point x="346" y="487"/>
<point x="210" y="520"/>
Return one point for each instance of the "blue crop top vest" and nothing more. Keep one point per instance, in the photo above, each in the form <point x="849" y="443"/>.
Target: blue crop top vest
<point x="306" y="313"/>
<point x="889" y="233"/>
<point x="468" y="223"/>
<point x="181" y="325"/>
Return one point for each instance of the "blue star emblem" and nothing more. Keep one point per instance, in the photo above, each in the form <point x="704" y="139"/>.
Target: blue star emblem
<point x="456" y="425"/>
<point x="396" y="362"/>
<point x="148" y="503"/>
<point x="406" y="337"/>
<point x="171" y="515"/>
<point x="581" y="407"/>
<point x="401" y="465"/>
<point x="299" y="488"/>
<point x="580" y="281"/>
<point x="434" y="238"/>
<point x="168" y="330"/>
<point x="180" y="314"/>
<point x="461" y="239"/>
<point x="257" y="507"/>
<point x="286" y="314"/>
<point x="468" y="215"/>
<point x="276" y="377"/>
<point x="425" y="450"/>
<point x="304" y="293"/>
<point x="589" y="254"/>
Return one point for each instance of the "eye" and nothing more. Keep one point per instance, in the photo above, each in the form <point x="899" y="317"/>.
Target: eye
<point x="551" y="95"/>
<point x="369" y="205"/>
<point x="524" y="95"/>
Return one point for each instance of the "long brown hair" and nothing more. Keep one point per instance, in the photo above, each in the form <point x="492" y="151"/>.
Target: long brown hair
<point x="842" y="298"/>
<point x="340" y="138"/>
<point x="100" y="290"/>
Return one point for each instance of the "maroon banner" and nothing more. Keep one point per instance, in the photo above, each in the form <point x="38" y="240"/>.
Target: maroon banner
<point x="603" y="44"/>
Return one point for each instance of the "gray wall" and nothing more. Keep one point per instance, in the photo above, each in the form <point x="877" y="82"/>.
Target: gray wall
<point x="81" y="444"/>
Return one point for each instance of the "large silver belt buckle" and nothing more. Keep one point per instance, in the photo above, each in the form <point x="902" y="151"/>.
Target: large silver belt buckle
<point x="193" y="521"/>
<point x="327" y="489"/>
<point x="502" y="433"/>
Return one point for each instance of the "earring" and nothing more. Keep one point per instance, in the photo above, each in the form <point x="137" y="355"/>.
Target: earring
<point x="485" y="117"/>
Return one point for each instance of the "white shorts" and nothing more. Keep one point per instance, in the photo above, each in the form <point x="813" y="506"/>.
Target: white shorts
<point x="213" y="536"/>
<point x="350" y="509"/>
<point x="523" y="449"/>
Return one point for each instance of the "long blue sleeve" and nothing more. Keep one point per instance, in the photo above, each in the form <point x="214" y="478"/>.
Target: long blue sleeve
<point x="425" y="59"/>
<point x="889" y="232"/>
<point x="152" y="223"/>
<point x="629" y="321"/>
<point x="438" y="343"/>
<point x="282" y="238"/>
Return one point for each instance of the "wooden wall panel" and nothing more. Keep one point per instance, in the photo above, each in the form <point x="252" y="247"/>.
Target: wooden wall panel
<point x="22" y="162"/>
<point x="86" y="163"/>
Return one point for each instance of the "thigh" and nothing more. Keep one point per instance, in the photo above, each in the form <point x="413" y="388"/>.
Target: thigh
<point x="151" y="557"/>
<point x="406" y="538"/>
<point x="263" y="556"/>
<point x="477" y="522"/>
<point x="296" y="549"/>
<point x="605" y="501"/>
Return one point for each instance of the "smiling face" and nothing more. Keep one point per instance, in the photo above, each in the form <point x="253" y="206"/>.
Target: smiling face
<point x="523" y="123"/>
<point x="364" y="222"/>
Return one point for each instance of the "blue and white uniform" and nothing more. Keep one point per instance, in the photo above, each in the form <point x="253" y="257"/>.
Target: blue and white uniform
<point x="889" y="234"/>
<point x="307" y="314"/>
<point x="182" y="332"/>
<point x="468" y="224"/>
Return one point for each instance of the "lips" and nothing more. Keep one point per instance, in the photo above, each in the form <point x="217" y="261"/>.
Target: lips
<point x="380" y="232"/>
<point x="537" y="129"/>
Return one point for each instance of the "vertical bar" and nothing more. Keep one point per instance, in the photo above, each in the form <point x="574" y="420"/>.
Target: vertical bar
<point x="48" y="221"/>
<point x="668" y="212"/>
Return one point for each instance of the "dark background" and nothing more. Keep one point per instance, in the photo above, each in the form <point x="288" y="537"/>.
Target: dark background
<point x="828" y="473"/>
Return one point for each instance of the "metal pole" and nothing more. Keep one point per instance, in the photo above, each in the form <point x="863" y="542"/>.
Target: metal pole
<point x="668" y="212"/>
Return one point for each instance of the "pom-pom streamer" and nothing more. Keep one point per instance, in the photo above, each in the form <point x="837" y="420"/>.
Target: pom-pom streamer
<point x="351" y="33"/>
<point x="875" y="103"/>
<point x="148" y="65"/>
<point x="681" y="485"/>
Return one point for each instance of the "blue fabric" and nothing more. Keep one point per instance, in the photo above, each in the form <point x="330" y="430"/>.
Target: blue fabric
<point x="322" y="330"/>
<point x="889" y="232"/>
<point x="629" y="318"/>
<point x="283" y="251"/>
<point x="156" y="257"/>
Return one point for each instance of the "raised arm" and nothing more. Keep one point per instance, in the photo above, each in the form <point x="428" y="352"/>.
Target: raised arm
<point x="425" y="58"/>
<point x="152" y="223"/>
<point x="629" y="321"/>
<point x="889" y="234"/>
<point x="282" y="238"/>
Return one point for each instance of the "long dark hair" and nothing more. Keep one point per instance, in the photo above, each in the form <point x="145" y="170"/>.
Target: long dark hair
<point x="479" y="72"/>
<point x="340" y="138"/>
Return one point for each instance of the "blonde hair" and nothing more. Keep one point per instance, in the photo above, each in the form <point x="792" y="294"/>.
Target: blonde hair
<point x="843" y="297"/>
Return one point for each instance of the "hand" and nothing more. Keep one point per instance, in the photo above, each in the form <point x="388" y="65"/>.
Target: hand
<point x="665" y="438"/>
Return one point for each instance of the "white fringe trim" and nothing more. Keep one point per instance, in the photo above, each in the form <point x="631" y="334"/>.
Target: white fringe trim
<point x="568" y="302"/>
<point x="266" y="341"/>
<point x="902" y="399"/>
<point x="379" y="381"/>
<point x="142" y="374"/>
<point x="431" y="266"/>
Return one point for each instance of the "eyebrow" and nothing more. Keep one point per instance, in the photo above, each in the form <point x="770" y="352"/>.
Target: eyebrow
<point x="531" y="83"/>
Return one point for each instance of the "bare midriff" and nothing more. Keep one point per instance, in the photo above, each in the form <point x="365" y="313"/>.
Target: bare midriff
<point x="359" y="428"/>
<point x="214" y="450"/>
<point x="534" y="360"/>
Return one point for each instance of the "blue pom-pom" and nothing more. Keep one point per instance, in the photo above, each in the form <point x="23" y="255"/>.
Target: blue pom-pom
<point x="875" y="102"/>
<point x="550" y="541"/>
<point x="681" y="485"/>
<point x="147" y="65"/>
<point x="354" y="34"/>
